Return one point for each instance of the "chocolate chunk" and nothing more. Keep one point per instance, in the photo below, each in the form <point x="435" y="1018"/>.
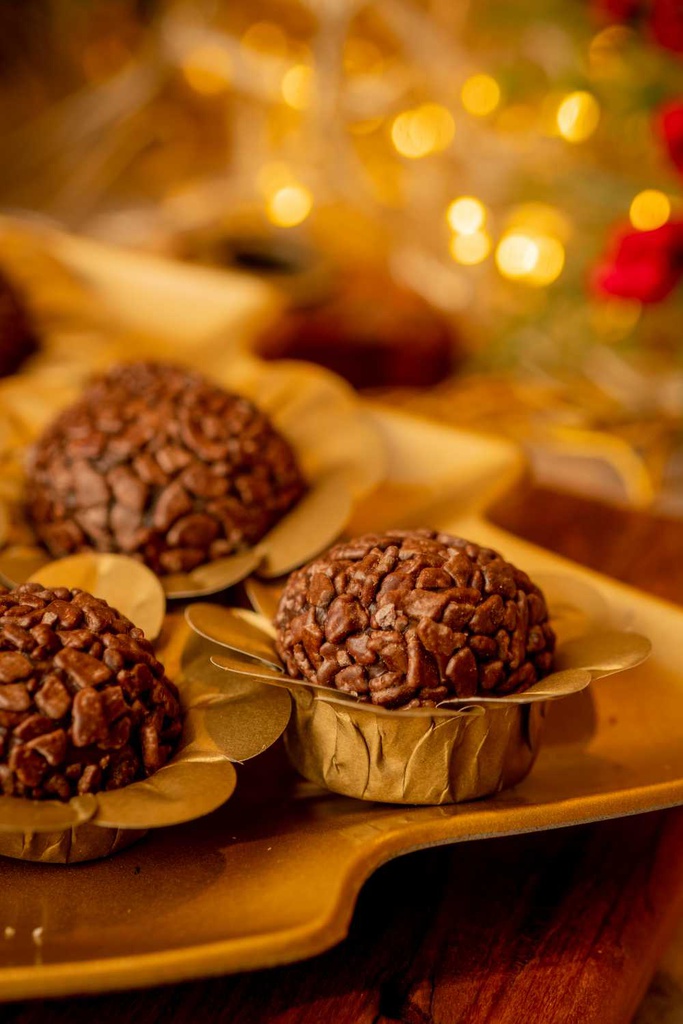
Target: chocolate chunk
<point x="14" y="666"/>
<point x="82" y="669"/>
<point x="409" y="618"/>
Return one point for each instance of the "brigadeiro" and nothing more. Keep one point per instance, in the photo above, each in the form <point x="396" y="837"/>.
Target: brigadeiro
<point x="157" y="462"/>
<point x="412" y="618"/>
<point x="84" y="704"/>
<point x="18" y="339"/>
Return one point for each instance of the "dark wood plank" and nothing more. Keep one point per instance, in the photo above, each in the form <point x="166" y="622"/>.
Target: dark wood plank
<point x="553" y="928"/>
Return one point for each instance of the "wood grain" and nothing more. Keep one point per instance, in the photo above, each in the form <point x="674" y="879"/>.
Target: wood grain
<point x="563" y="927"/>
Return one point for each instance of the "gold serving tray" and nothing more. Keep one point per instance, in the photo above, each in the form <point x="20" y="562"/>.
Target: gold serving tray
<point x="274" y="875"/>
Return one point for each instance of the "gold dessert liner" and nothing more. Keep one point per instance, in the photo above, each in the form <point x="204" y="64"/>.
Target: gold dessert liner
<point x="469" y="749"/>
<point x="219" y="728"/>
<point x="338" y="448"/>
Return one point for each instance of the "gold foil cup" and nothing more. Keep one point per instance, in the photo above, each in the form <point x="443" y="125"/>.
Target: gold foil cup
<point x="412" y="757"/>
<point x="464" y="749"/>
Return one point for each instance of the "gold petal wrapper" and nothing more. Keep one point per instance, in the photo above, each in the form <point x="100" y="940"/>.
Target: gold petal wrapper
<point x="461" y="750"/>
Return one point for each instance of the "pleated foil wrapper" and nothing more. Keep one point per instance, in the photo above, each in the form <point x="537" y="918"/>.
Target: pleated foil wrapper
<point x="412" y="757"/>
<point x="462" y="750"/>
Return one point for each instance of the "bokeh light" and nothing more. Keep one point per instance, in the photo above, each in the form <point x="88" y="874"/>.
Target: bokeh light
<point x="426" y="129"/>
<point x="534" y="259"/>
<point x="480" y="95"/>
<point x="466" y="215"/>
<point x="470" y="249"/>
<point x="649" y="210"/>
<point x="207" y="69"/>
<point x="297" y="85"/>
<point x="577" y="116"/>
<point x="550" y="262"/>
<point x="289" y="206"/>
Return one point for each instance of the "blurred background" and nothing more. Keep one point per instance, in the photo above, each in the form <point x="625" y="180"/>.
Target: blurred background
<point x="471" y="209"/>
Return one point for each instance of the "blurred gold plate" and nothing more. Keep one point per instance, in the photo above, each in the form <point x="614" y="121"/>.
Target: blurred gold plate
<point x="273" y="876"/>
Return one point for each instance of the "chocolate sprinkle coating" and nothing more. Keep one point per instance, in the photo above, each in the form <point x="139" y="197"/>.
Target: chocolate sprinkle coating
<point x="18" y="340"/>
<point x="412" y="618"/>
<point x="156" y="462"/>
<point x="84" y="704"/>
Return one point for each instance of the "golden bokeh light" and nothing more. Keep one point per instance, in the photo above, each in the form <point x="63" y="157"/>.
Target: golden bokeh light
<point x="470" y="249"/>
<point x="577" y="116"/>
<point x="207" y="69"/>
<point x="649" y="210"/>
<point x="480" y="95"/>
<point x="550" y="262"/>
<point x="426" y="129"/>
<point x="289" y="206"/>
<point x="466" y="215"/>
<point x="516" y="255"/>
<point x="297" y="86"/>
<point x="267" y="38"/>
<point x="534" y="259"/>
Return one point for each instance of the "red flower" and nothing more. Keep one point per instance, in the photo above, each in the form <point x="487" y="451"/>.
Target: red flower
<point x="643" y="265"/>
<point x="671" y="130"/>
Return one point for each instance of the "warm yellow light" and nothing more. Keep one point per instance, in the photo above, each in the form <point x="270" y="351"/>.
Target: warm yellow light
<point x="427" y="129"/>
<point x="207" y="69"/>
<point x="549" y="264"/>
<point x="535" y="259"/>
<point x="466" y="215"/>
<point x="649" y="210"/>
<point x="516" y="255"/>
<point x="480" y="95"/>
<point x="265" y="37"/>
<point x="577" y="116"/>
<point x="297" y="85"/>
<point x="289" y="206"/>
<point x="470" y="249"/>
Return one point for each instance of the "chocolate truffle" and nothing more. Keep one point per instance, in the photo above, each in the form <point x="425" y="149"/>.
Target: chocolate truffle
<point x="17" y="338"/>
<point x="412" y="618"/>
<point x="84" y="704"/>
<point x="156" y="462"/>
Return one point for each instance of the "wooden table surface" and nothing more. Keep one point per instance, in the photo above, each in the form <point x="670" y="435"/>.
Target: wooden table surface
<point x="554" y="928"/>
